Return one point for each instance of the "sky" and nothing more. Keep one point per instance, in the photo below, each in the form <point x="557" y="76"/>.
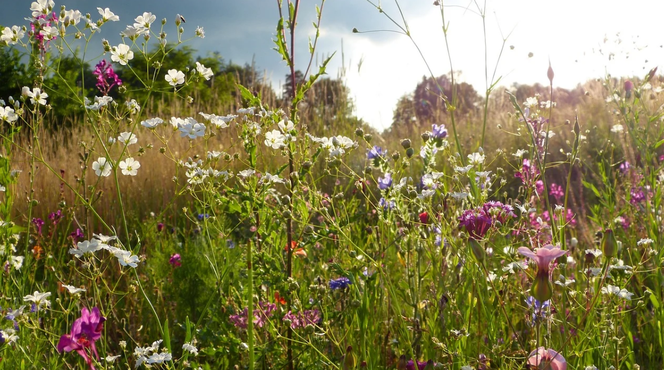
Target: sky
<point x="582" y="39"/>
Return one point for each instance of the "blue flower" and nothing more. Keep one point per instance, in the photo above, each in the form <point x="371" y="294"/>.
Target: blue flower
<point x="387" y="204"/>
<point x="340" y="283"/>
<point x="376" y="152"/>
<point x="203" y="216"/>
<point x="439" y="132"/>
<point x="385" y="182"/>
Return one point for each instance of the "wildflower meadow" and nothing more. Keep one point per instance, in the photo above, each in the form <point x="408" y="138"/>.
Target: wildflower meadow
<point x="167" y="211"/>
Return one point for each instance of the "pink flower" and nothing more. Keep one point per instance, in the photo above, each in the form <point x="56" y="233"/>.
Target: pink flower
<point x="542" y="288"/>
<point x="85" y="331"/>
<point x="547" y="359"/>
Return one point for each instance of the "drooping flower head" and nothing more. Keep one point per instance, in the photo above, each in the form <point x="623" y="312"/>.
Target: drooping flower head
<point x="547" y="359"/>
<point x="85" y="331"/>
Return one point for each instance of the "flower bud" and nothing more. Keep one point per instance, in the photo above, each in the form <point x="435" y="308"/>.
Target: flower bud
<point x="405" y="143"/>
<point x="609" y="244"/>
<point x="410" y="152"/>
<point x="359" y="132"/>
<point x="477" y="249"/>
<point x="542" y="288"/>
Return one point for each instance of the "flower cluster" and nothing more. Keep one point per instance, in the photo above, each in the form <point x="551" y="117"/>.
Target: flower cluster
<point x="262" y="313"/>
<point x="303" y="318"/>
<point x="106" y="77"/>
<point x="478" y="221"/>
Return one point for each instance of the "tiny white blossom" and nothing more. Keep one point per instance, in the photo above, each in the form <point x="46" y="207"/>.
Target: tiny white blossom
<point x="39" y="299"/>
<point x="618" y="128"/>
<point x="127" y="138"/>
<point x="275" y="139"/>
<point x="152" y="122"/>
<point x="122" y="54"/>
<point x="200" y="32"/>
<point x="126" y="258"/>
<point x="85" y="247"/>
<point x="16" y="262"/>
<point x="129" y="166"/>
<point x="531" y="102"/>
<point x="476" y="158"/>
<point x="190" y="348"/>
<point x="133" y="106"/>
<point x="107" y="15"/>
<point x="73" y="289"/>
<point x="205" y="72"/>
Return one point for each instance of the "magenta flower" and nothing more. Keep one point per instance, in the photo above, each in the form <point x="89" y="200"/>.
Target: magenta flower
<point x="85" y="331"/>
<point x="542" y="289"/>
<point x="175" y="260"/>
<point x="547" y="359"/>
<point x="106" y="77"/>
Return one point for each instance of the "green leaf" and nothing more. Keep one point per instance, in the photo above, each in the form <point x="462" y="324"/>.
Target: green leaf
<point x="659" y="143"/>
<point x="592" y="187"/>
<point x="167" y="337"/>
<point x="653" y="299"/>
<point x="187" y="336"/>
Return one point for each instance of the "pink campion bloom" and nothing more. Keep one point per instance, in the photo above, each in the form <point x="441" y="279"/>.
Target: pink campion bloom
<point x="85" y="331"/>
<point x="175" y="260"/>
<point x="542" y="288"/>
<point x="547" y="359"/>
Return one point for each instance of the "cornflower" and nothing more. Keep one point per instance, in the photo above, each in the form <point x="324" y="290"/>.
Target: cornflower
<point x="340" y="283"/>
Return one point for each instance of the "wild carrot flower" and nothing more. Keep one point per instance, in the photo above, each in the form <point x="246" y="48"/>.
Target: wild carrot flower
<point x="85" y="331"/>
<point x="542" y="288"/>
<point x="547" y="359"/>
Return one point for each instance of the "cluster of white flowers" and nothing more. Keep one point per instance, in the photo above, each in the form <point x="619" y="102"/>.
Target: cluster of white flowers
<point x="100" y="101"/>
<point x="151" y="355"/>
<point x="622" y="293"/>
<point x="36" y="95"/>
<point x="219" y="121"/>
<point x="196" y="175"/>
<point x="125" y="258"/>
<point x="12" y="35"/>
<point x="336" y="145"/>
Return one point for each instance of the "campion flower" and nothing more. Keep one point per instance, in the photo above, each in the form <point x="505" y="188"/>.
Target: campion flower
<point x="151" y="354"/>
<point x="39" y="299"/>
<point x="36" y="95"/>
<point x="340" y="283"/>
<point x="175" y="77"/>
<point x="144" y="21"/>
<point x="476" y="222"/>
<point x="547" y="359"/>
<point x="129" y="166"/>
<point x="127" y="138"/>
<point x="204" y="71"/>
<point x="262" y="312"/>
<point x="133" y="32"/>
<point x="102" y="167"/>
<point x="126" y="258"/>
<point x="275" y="139"/>
<point x="12" y="35"/>
<point x="152" y="122"/>
<point x="622" y="293"/>
<point x="199" y="32"/>
<point x="106" y="77"/>
<point x="191" y="129"/>
<point x="71" y="18"/>
<point x="72" y="289"/>
<point x="122" y="54"/>
<point x="557" y="191"/>
<point x="100" y="102"/>
<point x="542" y="288"/>
<point x="476" y="158"/>
<point x="107" y="15"/>
<point x="219" y="121"/>
<point x="86" y="246"/>
<point x="189" y="347"/>
<point x="385" y="182"/>
<point x="41" y="7"/>
<point x="303" y="318"/>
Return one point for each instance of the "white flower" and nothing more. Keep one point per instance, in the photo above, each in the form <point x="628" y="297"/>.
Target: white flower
<point x="73" y="289"/>
<point x="190" y="348"/>
<point x="617" y="128"/>
<point x="129" y="167"/>
<point x="100" y="101"/>
<point x="122" y="54"/>
<point x="48" y="33"/>
<point x="7" y="114"/>
<point x="274" y="139"/>
<point x="126" y="258"/>
<point x="133" y="32"/>
<point x="107" y="15"/>
<point x="190" y="128"/>
<point x="205" y="72"/>
<point x="246" y="173"/>
<point x="103" y="238"/>
<point x="213" y="154"/>
<point x="72" y="17"/>
<point x="127" y="138"/>
<point x="476" y="158"/>
<point x="176" y="122"/>
<point x="158" y="358"/>
<point x="111" y="359"/>
<point x="175" y="77"/>
<point x="200" y="32"/>
<point x="39" y="299"/>
<point x="646" y="241"/>
<point x="12" y="35"/>
<point x="102" y="167"/>
<point x="36" y="96"/>
<point x="16" y="262"/>
<point x="462" y="170"/>
<point x="41" y="7"/>
<point x="85" y="247"/>
<point x="219" y="121"/>
<point x="152" y="122"/>
<point x="286" y="127"/>
<point x="133" y="106"/>
<point x="144" y="21"/>
<point x="249" y="110"/>
<point x="531" y="102"/>
<point x="9" y="336"/>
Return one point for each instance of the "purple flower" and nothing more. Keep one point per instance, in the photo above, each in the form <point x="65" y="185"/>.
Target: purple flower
<point x="202" y="216"/>
<point x="387" y="204"/>
<point x="340" y="283"/>
<point x="385" y="182"/>
<point x="624" y="167"/>
<point x="262" y="312"/>
<point x="376" y="152"/>
<point x="439" y="132"/>
<point x="230" y="244"/>
<point x="85" y="331"/>
<point x="476" y="222"/>
<point x="303" y="318"/>
<point x="55" y="216"/>
<point x="77" y="235"/>
<point x="499" y="211"/>
<point x="539" y="187"/>
<point x="38" y="222"/>
<point x="637" y="195"/>
<point x="175" y="260"/>
<point x="411" y="365"/>
<point x="106" y="77"/>
<point x="160" y="227"/>
<point x="539" y="308"/>
<point x="557" y="191"/>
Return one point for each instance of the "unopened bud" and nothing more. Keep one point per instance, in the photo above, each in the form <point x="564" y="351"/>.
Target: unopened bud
<point x="405" y="143"/>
